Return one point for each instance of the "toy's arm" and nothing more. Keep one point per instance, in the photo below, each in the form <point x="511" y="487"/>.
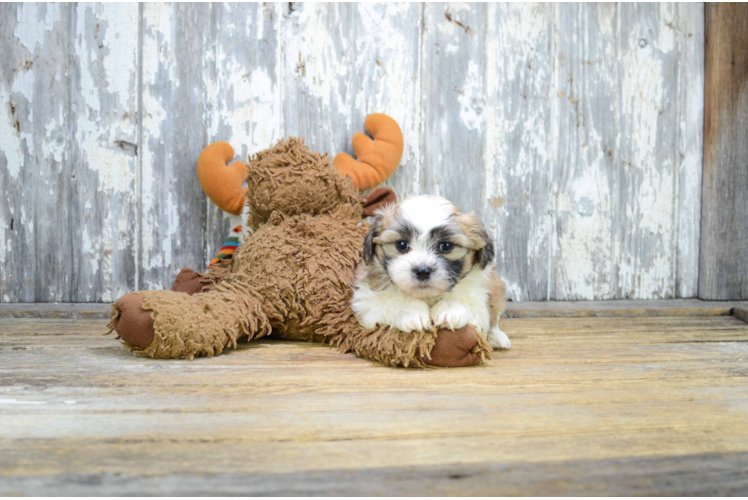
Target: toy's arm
<point x="462" y="347"/>
<point x="377" y="158"/>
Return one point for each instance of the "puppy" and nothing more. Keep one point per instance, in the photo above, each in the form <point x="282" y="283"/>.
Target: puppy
<point x="426" y="265"/>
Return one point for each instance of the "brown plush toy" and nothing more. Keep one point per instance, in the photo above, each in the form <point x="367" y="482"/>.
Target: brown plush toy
<point x="292" y="276"/>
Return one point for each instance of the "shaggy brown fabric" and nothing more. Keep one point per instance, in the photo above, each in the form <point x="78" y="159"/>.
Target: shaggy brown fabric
<point x="291" y="277"/>
<point x="291" y="180"/>
<point x="216" y="273"/>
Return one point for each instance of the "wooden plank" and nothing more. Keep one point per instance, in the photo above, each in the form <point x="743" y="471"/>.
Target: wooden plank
<point x="741" y="313"/>
<point x="562" y="309"/>
<point x="67" y="311"/>
<point x="635" y="405"/>
<point x="628" y="308"/>
<point x="35" y="163"/>
<point x="625" y="218"/>
<point x="243" y="92"/>
<point x="648" y="151"/>
<point x="103" y="154"/>
<point x="690" y="34"/>
<point x="343" y="62"/>
<point x="517" y="203"/>
<point x="174" y="99"/>
<point x="91" y="220"/>
<point x="724" y="226"/>
<point x="703" y="474"/>
<point x="16" y="239"/>
<point x="454" y="103"/>
<point x="585" y="178"/>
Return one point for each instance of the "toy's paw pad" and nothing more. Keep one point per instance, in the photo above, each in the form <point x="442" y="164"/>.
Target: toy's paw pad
<point x="499" y="339"/>
<point x="454" y="348"/>
<point x="450" y="314"/>
<point x="413" y="319"/>
<point x="132" y="323"/>
<point x="187" y="281"/>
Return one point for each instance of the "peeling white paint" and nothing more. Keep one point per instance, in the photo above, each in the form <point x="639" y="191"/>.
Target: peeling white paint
<point x="106" y="137"/>
<point x="470" y="98"/>
<point x="9" y="401"/>
<point x="558" y="210"/>
<point x="517" y="151"/>
<point x="171" y="230"/>
<point x="667" y="36"/>
<point x="10" y="139"/>
<point x="157" y="58"/>
<point x="587" y="237"/>
<point x="32" y="26"/>
<point x="54" y="145"/>
<point x="691" y="119"/>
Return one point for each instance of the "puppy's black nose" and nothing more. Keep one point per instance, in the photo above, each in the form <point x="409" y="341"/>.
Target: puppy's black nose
<point x="422" y="272"/>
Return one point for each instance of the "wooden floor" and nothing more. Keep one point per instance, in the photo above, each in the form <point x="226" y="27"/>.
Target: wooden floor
<point x="579" y="405"/>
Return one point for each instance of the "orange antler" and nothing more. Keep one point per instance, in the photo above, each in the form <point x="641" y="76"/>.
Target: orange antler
<point x="378" y="158"/>
<point x="222" y="184"/>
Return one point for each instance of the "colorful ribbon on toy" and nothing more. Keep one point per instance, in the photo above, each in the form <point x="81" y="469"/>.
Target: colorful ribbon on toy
<point x="233" y="241"/>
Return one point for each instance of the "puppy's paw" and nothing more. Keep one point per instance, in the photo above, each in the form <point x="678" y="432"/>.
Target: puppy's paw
<point x="499" y="339"/>
<point x="414" y="318"/>
<point x="450" y="314"/>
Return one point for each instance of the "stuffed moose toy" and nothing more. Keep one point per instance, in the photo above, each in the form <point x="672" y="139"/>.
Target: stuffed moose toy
<point x="291" y="277"/>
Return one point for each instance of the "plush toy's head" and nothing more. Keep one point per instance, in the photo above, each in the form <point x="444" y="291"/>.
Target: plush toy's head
<point x="291" y="179"/>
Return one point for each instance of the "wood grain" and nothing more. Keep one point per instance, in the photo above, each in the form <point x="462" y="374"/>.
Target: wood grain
<point x="585" y="177"/>
<point x="454" y="102"/>
<point x="580" y="405"/>
<point x="343" y="62"/>
<point x="560" y="309"/>
<point x="36" y="255"/>
<point x="244" y="101"/>
<point x="626" y="211"/>
<point x="517" y="205"/>
<point x="741" y="313"/>
<point x="574" y="130"/>
<point x="707" y="474"/>
<point x="724" y="227"/>
<point x="175" y="40"/>
<point x="690" y="120"/>
<point x="103" y="152"/>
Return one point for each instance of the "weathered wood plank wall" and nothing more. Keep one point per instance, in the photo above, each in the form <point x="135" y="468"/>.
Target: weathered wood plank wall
<point x="724" y="223"/>
<point x="575" y="130"/>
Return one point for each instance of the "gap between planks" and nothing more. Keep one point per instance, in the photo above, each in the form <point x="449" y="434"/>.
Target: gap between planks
<point x="550" y="309"/>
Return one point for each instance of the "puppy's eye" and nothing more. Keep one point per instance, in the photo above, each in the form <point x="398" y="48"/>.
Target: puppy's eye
<point x="402" y="246"/>
<point x="446" y="246"/>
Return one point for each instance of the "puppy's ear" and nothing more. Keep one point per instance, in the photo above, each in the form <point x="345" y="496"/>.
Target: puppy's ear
<point x="474" y="229"/>
<point x="485" y="255"/>
<point x="383" y="218"/>
<point x="369" y="240"/>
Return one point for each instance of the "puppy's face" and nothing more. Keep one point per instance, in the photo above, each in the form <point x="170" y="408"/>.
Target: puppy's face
<point x="424" y="246"/>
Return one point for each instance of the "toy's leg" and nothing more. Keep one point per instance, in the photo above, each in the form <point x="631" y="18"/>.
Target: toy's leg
<point x="167" y="324"/>
<point x="187" y="281"/>
<point x="191" y="282"/>
<point x="462" y="347"/>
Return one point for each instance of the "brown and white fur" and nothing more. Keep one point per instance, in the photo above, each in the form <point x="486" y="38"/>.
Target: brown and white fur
<point x="426" y="264"/>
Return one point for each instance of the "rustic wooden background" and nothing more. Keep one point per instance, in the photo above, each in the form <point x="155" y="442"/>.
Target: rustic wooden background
<point x="575" y="130"/>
